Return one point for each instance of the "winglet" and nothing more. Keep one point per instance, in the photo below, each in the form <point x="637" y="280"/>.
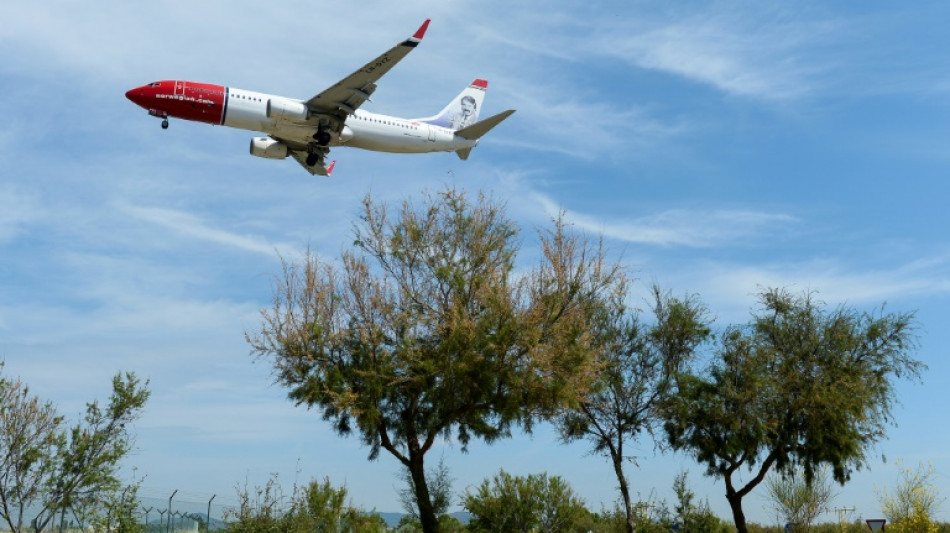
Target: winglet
<point x="422" y="30"/>
<point x="416" y="38"/>
<point x="330" y="167"/>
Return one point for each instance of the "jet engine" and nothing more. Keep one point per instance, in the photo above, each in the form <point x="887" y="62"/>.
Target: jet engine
<point x="346" y="134"/>
<point x="268" y="148"/>
<point x="286" y="110"/>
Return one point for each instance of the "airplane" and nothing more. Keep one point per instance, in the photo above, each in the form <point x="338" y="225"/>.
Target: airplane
<point x="306" y="129"/>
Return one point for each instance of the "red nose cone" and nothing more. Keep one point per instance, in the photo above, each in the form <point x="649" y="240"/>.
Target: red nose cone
<point x="137" y="95"/>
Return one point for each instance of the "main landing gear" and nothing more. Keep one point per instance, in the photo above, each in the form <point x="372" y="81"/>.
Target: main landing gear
<point x="322" y="136"/>
<point x="164" y="123"/>
<point x="316" y="155"/>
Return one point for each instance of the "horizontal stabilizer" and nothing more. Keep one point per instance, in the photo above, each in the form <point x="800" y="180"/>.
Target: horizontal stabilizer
<point x="475" y="131"/>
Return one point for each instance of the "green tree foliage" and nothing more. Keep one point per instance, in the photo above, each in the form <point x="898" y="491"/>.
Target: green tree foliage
<point x="535" y="503"/>
<point x="799" y="386"/>
<point x="47" y="466"/>
<point x="116" y="510"/>
<point x="425" y="331"/>
<point x="638" y="365"/>
<point x="910" y="508"/>
<point x="315" y="507"/>
<point x="692" y="516"/>
<point x="798" y="501"/>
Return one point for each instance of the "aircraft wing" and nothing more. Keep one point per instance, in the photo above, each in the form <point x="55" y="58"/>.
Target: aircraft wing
<point x="349" y="93"/>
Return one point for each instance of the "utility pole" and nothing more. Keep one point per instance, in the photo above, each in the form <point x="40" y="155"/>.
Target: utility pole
<point x="843" y="515"/>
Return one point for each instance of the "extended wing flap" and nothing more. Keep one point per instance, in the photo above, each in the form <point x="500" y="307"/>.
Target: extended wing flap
<point x="318" y="169"/>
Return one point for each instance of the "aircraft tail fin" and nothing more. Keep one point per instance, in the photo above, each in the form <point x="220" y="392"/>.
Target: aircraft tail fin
<point x="463" y="109"/>
<point x="476" y="130"/>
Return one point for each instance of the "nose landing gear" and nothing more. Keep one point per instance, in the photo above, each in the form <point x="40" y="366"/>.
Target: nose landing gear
<point x="162" y="115"/>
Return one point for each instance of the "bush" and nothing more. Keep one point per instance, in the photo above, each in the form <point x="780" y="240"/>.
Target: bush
<point x="525" y="504"/>
<point x="316" y="507"/>
<point x="910" y="508"/>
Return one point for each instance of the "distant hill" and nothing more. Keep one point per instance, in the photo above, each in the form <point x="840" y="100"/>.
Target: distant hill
<point x="392" y="519"/>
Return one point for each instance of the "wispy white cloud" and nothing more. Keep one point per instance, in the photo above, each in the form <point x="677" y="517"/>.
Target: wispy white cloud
<point x="696" y="228"/>
<point x="837" y="280"/>
<point x="192" y="226"/>
<point x="150" y="41"/>
<point x="17" y="208"/>
<point x="729" y="288"/>
<point x="753" y="51"/>
<point x="582" y="128"/>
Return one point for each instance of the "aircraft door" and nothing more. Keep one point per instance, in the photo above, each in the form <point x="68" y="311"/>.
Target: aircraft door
<point x="431" y="131"/>
<point x="180" y="88"/>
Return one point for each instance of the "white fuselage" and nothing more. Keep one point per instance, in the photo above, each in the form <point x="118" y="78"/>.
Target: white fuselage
<point x="248" y="110"/>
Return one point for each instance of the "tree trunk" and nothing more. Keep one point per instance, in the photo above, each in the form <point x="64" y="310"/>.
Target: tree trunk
<point x="735" y="496"/>
<point x="735" y="503"/>
<point x="625" y="492"/>
<point x="430" y="522"/>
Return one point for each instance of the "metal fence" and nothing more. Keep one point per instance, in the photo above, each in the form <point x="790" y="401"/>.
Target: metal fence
<point x="160" y="511"/>
<point x="164" y="511"/>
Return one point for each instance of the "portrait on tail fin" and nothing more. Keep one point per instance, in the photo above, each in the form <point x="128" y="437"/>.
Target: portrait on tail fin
<point x="463" y="110"/>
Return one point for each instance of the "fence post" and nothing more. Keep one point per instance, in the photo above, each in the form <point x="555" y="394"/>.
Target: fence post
<point x="168" y="528"/>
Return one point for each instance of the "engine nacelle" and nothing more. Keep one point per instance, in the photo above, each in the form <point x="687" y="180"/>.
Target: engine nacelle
<point x="346" y="134"/>
<point x="268" y="148"/>
<point x="287" y="110"/>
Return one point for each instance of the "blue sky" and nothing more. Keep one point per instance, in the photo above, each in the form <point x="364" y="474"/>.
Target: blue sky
<point x="718" y="146"/>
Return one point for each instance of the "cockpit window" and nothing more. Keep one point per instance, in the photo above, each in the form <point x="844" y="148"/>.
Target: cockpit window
<point x="155" y="84"/>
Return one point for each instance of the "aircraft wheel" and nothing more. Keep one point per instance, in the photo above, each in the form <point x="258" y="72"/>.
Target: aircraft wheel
<point x="165" y="124"/>
<point x="322" y="137"/>
<point x="312" y="160"/>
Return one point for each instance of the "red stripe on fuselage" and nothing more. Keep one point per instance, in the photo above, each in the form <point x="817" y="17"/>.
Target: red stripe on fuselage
<point x="201" y="102"/>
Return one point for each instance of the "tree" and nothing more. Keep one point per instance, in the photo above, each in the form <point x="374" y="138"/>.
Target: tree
<point x="797" y="500"/>
<point x="638" y="365"/>
<point x="52" y="469"/>
<point x="915" y="500"/>
<point x="425" y="331"/>
<point x="798" y="387"/>
<point x="524" y="504"/>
